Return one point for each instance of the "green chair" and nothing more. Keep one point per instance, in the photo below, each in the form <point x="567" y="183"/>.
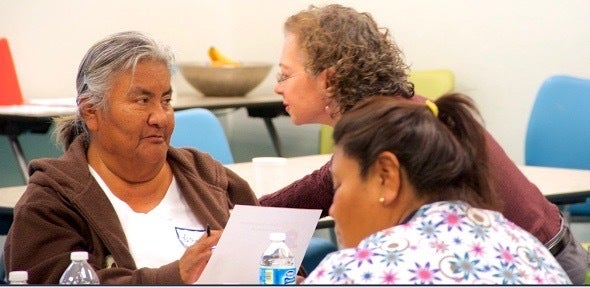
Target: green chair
<point x="427" y="83"/>
<point x="432" y="83"/>
<point x="326" y="141"/>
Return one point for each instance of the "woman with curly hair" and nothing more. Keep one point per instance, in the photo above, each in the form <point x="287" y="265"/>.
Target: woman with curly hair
<point x="334" y="56"/>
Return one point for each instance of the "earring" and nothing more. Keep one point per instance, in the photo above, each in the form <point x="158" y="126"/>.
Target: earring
<point x="382" y="200"/>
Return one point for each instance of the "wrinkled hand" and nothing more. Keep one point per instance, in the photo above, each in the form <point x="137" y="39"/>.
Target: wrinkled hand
<point x="195" y="258"/>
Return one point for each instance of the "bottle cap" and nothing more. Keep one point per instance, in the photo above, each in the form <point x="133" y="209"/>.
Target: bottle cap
<point x="79" y="255"/>
<point x="277" y="236"/>
<point x="18" y="276"/>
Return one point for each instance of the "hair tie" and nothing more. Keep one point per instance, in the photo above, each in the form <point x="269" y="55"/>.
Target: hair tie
<point x="432" y="106"/>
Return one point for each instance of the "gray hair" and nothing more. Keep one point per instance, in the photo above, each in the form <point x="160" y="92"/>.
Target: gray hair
<point x="116" y="53"/>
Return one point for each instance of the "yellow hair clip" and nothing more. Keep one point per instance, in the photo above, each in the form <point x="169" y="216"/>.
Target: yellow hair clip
<point x="432" y="106"/>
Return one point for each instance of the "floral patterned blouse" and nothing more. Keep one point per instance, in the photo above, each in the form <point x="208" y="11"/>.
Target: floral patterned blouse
<point x="444" y="243"/>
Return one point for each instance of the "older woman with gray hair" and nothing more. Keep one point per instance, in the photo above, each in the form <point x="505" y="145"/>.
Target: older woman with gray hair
<point x="139" y="207"/>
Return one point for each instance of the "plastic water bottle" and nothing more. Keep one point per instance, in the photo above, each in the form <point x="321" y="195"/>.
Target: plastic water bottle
<point x="79" y="272"/>
<point x="18" y="277"/>
<point x="277" y="266"/>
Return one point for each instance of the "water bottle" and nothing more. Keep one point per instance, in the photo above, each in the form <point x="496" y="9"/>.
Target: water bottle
<point x="277" y="266"/>
<point x="79" y="272"/>
<point x="18" y="277"/>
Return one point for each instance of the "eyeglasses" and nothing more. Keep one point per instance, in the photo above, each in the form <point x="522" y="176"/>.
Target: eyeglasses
<point x="282" y="77"/>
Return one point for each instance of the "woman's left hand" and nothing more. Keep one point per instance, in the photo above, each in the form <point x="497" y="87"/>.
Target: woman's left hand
<point x="195" y="258"/>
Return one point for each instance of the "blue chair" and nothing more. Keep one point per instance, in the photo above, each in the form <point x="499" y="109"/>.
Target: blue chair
<point x="199" y="128"/>
<point x="316" y="251"/>
<point x="558" y="133"/>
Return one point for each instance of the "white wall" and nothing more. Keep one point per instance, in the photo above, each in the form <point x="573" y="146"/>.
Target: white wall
<point x="500" y="50"/>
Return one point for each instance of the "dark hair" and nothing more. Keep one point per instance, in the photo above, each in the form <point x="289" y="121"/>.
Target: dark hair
<point x="365" y="61"/>
<point x="444" y="156"/>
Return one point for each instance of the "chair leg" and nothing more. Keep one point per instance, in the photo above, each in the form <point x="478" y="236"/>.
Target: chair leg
<point x="276" y="141"/>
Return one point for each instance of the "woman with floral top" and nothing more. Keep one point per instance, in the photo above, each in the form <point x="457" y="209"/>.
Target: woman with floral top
<point x="413" y="202"/>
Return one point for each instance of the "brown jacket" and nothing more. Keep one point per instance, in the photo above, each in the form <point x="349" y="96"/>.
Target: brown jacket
<point x="63" y="209"/>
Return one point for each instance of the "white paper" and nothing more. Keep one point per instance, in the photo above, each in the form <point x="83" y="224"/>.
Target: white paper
<point x="236" y="258"/>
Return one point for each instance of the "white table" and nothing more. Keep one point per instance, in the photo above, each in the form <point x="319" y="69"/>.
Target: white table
<point x="37" y="118"/>
<point x="559" y="185"/>
<point x="296" y="168"/>
<point x="10" y="195"/>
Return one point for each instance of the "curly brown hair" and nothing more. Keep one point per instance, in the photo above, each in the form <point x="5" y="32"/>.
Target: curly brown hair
<point x="364" y="60"/>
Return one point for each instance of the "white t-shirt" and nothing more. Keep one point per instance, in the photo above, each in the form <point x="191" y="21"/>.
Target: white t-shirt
<point x="160" y="236"/>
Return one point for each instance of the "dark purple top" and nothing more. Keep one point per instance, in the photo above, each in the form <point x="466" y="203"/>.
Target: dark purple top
<point x="523" y="202"/>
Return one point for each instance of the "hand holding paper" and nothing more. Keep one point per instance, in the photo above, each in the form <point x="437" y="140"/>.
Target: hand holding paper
<point x="236" y="258"/>
<point x="195" y="257"/>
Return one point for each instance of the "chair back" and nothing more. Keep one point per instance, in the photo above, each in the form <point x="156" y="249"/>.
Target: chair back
<point x="432" y="83"/>
<point x="326" y="141"/>
<point x="558" y="133"/>
<point x="199" y="128"/>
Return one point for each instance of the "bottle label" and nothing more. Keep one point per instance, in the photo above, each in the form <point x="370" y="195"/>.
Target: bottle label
<point x="277" y="275"/>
